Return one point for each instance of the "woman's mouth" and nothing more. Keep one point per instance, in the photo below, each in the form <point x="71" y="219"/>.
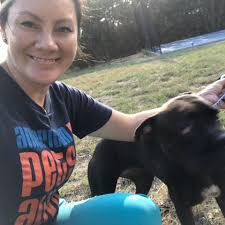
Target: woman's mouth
<point x="44" y="60"/>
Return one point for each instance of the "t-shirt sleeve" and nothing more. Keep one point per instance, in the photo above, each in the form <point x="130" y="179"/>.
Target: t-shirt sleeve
<point x="86" y="113"/>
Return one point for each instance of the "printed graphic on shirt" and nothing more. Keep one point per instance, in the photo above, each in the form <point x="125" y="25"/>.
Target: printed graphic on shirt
<point x="47" y="160"/>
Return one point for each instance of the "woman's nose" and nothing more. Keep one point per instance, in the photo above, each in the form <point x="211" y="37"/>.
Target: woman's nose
<point x="46" y="41"/>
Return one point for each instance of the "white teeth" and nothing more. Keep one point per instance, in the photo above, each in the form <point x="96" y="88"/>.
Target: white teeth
<point x="44" y="61"/>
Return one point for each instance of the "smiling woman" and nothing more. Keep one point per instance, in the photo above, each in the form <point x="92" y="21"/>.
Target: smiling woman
<point x="42" y="45"/>
<point x="40" y="115"/>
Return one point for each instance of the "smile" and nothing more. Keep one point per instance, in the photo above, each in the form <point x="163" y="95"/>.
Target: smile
<point x="44" y="61"/>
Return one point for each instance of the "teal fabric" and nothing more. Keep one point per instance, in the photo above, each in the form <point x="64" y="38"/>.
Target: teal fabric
<point x="110" y="209"/>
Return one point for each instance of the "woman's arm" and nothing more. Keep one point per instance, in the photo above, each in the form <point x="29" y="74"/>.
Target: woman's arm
<point x="122" y="126"/>
<point x="213" y="91"/>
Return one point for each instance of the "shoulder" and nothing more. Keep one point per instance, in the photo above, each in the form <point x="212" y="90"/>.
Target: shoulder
<point x="61" y="88"/>
<point x="3" y="74"/>
<point x="7" y="84"/>
<point x="67" y="93"/>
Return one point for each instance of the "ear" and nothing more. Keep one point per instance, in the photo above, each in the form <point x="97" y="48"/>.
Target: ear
<point x="146" y="128"/>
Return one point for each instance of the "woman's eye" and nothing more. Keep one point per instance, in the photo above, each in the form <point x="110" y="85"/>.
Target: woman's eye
<point x="29" y="24"/>
<point x="64" y="29"/>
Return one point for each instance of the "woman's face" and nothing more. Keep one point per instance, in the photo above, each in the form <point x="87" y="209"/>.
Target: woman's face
<point x="42" y="39"/>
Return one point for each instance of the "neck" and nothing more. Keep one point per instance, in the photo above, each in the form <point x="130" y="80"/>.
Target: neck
<point x="36" y="92"/>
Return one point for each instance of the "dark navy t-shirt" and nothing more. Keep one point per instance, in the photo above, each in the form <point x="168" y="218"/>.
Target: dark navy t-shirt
<point x="37" y="149"/>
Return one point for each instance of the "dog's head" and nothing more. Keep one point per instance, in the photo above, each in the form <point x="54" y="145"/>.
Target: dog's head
<point x="185" y="126"/>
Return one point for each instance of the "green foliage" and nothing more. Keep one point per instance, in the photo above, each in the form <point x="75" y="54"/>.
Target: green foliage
<point x="116" y="28"/>
<point x="107" y="27"/>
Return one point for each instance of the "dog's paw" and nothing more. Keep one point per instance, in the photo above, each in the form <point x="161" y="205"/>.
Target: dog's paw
<point x="212" y="191"/>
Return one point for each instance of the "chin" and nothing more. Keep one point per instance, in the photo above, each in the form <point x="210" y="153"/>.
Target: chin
<point x="44" y="78"/>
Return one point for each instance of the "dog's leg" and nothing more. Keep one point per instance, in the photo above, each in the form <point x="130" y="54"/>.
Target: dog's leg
<point x="143" y="183"/>
<point x="100" y="185"/>
<point x="141" y="178"/>
<point x="221" y="198"/>
<point x="221" y="202"/>
<point x="102" y="178"/>
<point x="184" y="211"/>
<point x="218" y="181"/>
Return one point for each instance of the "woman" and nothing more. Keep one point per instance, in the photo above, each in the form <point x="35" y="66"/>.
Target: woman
<point x="39" y="115"/>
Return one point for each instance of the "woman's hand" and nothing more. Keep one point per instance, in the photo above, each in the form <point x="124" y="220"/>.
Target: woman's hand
<point x="213" y="92"/>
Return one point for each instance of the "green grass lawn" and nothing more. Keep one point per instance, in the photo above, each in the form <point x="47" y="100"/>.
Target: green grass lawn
<point x="142" y="82"/>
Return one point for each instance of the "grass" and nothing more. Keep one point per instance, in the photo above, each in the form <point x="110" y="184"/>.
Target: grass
<point x="142" y="82"/>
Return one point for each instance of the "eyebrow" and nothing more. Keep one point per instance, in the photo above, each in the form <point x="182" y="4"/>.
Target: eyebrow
<point x="25" y="13"/>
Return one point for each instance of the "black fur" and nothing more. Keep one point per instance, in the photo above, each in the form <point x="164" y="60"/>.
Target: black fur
<point x="183" y="146"/>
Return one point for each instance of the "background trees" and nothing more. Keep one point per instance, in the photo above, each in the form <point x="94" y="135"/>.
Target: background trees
<point x="116" y="28"/>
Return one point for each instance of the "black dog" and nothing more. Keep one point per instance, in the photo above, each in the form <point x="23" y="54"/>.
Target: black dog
<point x="183" y="146"/>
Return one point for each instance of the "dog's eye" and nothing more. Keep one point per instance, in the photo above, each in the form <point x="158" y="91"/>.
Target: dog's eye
<point x="184" y="127"/>
<point x="186" y="130"/>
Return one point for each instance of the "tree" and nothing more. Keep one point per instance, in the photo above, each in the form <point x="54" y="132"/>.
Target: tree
<point x="116" y="28"/>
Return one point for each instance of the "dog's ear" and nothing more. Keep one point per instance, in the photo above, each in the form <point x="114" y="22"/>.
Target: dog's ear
<point x="213" y="111"/>
<point x="146" y="128"/>
<point x="209" y="111"/>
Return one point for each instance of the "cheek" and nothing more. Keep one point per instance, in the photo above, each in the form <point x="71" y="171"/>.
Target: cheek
<point x="69" y="55"/>
<point x="70" y="46"/>
<point x="18" y="44"/>
<point x="72" y="50"/>
<point x="15" y="50"/>
<point x="69" y="49"/>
